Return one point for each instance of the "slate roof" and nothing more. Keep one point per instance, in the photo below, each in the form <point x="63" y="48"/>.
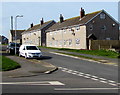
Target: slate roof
<point x="18" y="33"/>
<point x="74" y="21"/>
<point x="38" y="26"/>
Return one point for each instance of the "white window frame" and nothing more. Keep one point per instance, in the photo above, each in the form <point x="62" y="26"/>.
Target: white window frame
<point x="77" y="41"/>
<point x="102" y="16"/>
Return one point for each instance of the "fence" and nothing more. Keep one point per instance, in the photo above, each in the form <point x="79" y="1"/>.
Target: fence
<point x="104" y="44"/>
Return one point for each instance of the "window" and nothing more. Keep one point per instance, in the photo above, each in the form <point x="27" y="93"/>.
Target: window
<point x="91" y="27"/>
<point x="102" y="16"/>
<point x="60" y="31"/>
<point x="64" y="31"/>
<point x="60" y="43"/>
<point x="65" y="42"/>
<point x="103" y="27"/>
<point x="31" y="48"/>
<point x="50" y="33"/>
<point x="70" y="42"/>
<point x="77" y="28"/>
<point x="107" y="38"/>
<point x="77" y="41"/>
<point x="55" y="33"/>
<point x="70" y="30"/>
<point x="50" y="43"/>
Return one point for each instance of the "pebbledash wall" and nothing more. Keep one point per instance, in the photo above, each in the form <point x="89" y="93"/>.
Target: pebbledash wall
<point x="74" y="38"/>
<point x="32" y="38"/>
<point x="78" y="32"/>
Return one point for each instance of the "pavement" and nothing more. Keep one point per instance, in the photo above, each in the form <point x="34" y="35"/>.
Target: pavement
<point x="29" y="67"/>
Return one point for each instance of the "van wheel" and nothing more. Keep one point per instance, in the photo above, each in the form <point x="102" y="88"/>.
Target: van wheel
<point x="26" y="56"/>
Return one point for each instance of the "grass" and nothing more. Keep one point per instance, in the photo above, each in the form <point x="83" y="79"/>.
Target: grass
<point x="81" y="56"/>
<point x="7" y="64"/>
<point x="106" y="53"/>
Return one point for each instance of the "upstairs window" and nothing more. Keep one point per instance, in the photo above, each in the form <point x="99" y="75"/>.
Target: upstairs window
<point x="102" y="16"/>
<point x="91" y="27"/>
<point x="77" y="28"/>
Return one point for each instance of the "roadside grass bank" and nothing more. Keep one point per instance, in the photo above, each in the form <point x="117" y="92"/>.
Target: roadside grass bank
<point x="105" y="53"/>
<point x="7" y="64"/>
<point x="90" y="58"/>
<point x="81" y="56"/>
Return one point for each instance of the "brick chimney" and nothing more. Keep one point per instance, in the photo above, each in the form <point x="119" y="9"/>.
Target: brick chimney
<point x="61" y="18"/>
<point x="31" y="25"/>
<point x="42" y="21"/>
<point x="82" y="13"/>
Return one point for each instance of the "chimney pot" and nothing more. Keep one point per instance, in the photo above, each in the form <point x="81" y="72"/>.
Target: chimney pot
<point x="42" y="21"/>
<point x="31" y="25"/>
<point x="82" y="13"/>
<point x="61" y="18"/>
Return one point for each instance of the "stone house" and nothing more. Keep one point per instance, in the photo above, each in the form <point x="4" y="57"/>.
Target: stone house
<point x="36" y="33"/>
<point x="77" y="32"/>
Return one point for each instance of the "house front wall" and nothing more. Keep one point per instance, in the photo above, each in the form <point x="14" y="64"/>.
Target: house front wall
<point x="73" y="38"/>
<point x="104" y="27"/>
<point x="32" y="37"/>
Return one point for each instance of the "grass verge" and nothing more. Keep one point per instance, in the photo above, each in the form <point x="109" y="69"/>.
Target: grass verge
<point x="7" y="64"/>
<point x="105" y="53"/>
<point x="81" y="56"/>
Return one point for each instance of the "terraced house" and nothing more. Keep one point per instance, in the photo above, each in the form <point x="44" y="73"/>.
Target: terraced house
<point x="77" y="32"/>
<point x="36" y="33"/>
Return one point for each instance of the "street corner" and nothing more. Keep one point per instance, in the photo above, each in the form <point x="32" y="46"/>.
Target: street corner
<point x="51" y="71"/>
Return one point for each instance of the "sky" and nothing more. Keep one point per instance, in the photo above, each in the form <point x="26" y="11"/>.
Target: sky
<point x="33" y="12"/>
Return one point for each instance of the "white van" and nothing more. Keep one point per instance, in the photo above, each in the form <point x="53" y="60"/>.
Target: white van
<point x="30" y="51"/>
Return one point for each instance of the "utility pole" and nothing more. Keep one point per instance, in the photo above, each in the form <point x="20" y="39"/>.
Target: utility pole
<point x="11" y="22"/>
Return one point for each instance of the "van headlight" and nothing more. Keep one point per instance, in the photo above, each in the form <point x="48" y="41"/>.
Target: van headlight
<point x="29" y="53"/>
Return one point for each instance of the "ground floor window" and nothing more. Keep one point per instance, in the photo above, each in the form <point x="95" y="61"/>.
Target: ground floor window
<point x="70" y="42"/>
<point x="77" y="41"/>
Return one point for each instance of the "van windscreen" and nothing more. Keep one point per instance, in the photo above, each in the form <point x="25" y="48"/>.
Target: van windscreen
<point x="31" y="48"/>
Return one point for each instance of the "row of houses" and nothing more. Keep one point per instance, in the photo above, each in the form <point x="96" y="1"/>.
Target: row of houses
<point x="3" y="40"/>
<point x="74" y="33"/>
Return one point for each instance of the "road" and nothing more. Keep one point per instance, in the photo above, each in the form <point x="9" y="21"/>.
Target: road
<point x="73" y="76"/>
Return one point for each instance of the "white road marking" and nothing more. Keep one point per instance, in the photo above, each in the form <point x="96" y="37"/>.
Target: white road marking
<point x="88" y="76"/>
<point x="34" y="83"/>
<point x="113" y="84"/>
<point x="94" y="76"/>
<point x="71" y="89"/>
<point x="111" y="81"/>
<point x="94" y="79"/>
<point x="102" y="79"/>
<point x="80" y="75"/>
<point x="74" y="73"/>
